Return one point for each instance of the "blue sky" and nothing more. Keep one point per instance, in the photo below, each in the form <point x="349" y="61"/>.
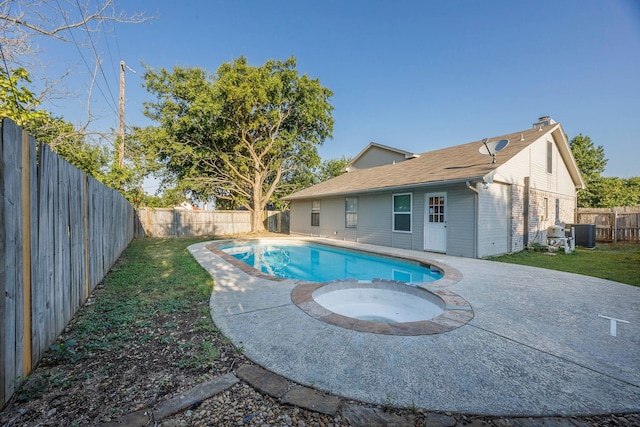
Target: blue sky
<point x="417" y="75"/>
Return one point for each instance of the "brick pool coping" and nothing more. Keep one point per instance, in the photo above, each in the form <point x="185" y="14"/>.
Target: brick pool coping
<point x="457" y="311"/>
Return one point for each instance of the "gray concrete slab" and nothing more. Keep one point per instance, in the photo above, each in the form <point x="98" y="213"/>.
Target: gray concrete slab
<point x="535" y="347"/>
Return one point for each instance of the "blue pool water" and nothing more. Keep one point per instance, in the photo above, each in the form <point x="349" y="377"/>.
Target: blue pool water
<point x="317" y="263"/>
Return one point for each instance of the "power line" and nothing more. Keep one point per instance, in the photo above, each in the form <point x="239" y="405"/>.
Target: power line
<point x="86" y="63"/>
<point x="95" y="53"/>
<point x="106" y="40"/>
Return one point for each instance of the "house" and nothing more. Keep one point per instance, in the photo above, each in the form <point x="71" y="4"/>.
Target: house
<point x="455" y="200"/>
<point x="186" y="206"/>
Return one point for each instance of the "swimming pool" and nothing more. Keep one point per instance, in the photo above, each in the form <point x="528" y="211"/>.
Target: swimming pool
<point x="319" y="263"/>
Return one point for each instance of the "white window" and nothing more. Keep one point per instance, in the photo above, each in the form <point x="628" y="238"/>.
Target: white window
<point x="402" y="212"/>
<point x="351" y="212"/>
<point x="315" y="213"/>
<point x="549" y="157"/>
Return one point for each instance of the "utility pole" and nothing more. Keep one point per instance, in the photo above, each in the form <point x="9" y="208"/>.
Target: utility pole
<point x="121" y="145"/>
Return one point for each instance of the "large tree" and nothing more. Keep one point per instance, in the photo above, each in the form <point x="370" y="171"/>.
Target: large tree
<point x="235" y="134"/>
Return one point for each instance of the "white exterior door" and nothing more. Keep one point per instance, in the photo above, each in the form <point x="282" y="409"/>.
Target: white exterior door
<point x="435" y="222"/>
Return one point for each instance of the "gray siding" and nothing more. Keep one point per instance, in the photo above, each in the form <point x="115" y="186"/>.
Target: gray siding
<point x="417" y="228"/>
<point x="300" y="217"/>
<point x="374" y="219"/>
<point x="461" y="232"/>
<point x="377" y="156"/>
<point x="332" y="218"/>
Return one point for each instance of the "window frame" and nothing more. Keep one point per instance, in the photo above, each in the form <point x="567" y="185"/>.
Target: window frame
<point x="394" y="212"/>
<point x="315" y="213"/>
<point x="347" y="212"/>
<point x="549" y="157"/>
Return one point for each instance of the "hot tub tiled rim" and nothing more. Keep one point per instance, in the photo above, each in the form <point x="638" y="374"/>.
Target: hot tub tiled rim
<point x="457" y="312"/>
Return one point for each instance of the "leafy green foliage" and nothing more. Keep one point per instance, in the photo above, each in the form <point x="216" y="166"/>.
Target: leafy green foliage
<point x="236" y="134"/>
<point x="19" y="104"/>
<point x="601" y="192"/>
<point x="590" y="159"/>
<point x="305" y="175"/>
<point x="64" y="351"/>
<point x="591" y="162"/>
<point x="609" y="192"/>
<point x="332" y="168"/>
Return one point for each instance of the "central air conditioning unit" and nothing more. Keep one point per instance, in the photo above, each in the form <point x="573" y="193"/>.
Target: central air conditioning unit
<point x="585" y="235"/>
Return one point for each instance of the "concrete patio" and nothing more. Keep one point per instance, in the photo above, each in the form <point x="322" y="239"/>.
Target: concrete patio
<point x="536" y="346"/>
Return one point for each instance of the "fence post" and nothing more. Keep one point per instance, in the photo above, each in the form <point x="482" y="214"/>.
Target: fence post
<point x="86" y="237"/>
<point x="26" y="252"/>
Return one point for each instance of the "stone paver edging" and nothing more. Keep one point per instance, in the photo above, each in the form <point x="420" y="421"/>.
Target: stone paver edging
<point x="307" y="398"/>
<point x="176" y="404"/>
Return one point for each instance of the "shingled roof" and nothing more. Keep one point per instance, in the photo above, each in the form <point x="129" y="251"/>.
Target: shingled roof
<point x="453" y="164"/>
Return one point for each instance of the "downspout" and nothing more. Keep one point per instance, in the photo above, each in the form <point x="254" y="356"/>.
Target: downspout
<point x="525" y="212"/>
<point x="475" y="225"/>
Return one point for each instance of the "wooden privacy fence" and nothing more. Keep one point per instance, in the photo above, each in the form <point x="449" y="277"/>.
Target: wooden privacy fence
<point x="160" y="222"/>
<point x="60" y="233"/>
<point x="612" y="224"/>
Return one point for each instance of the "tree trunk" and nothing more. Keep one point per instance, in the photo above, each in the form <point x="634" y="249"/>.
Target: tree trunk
<point x="257" y="225"/>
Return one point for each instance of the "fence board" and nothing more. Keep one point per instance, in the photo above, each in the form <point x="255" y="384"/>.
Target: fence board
<point x="77" y="239"/>
<point x="35" y="239"/>
<point x="4" y="348"/>
<point x="43" y="295"/>
<point x="11" y="285"/>
<point x="74" y="230"/>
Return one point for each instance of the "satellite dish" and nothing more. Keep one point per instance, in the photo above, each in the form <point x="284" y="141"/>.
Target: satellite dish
<point x="493" y="147"/>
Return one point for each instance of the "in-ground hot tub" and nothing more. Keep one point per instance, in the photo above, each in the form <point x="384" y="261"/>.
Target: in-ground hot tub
<point x="386" y="302"/>
<point x="383" y="307"/>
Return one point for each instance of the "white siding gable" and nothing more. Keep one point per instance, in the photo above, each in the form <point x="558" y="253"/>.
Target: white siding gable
<point x="532" y="162"/>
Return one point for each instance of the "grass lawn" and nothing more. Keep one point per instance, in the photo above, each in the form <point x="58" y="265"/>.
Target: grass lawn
<point x="619" y="262"/>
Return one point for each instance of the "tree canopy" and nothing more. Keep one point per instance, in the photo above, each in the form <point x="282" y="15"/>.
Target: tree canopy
<point x="601" y="192"/>
<point x="236" y="134"/>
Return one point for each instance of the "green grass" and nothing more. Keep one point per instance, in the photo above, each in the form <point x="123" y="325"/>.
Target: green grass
<point x="619" y="262"/>
<point x="152" y="279"/>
